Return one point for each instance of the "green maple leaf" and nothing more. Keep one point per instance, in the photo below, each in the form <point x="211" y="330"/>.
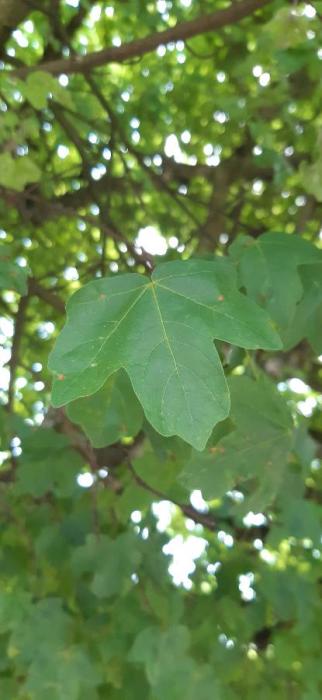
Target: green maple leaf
<point x="257" y="410"/>
<point x="62" y="675"/>
<point x="307" y="320"/>
<point x="269" y="271"/>
<point x="111" y="562"/>
<point x="46" y="627"/>
<point x="287" y="29"/>
<point x="171" y="672"/>
<point x="14" y="604"/>
<point x="37" y="87"/>
<point x="12" y="276"/>
<point x="161" y="332"/>
<point x="47" y="464"/>
<point x="311" y="177"/>
<point x="113" y="412"/>
<point x="298" y="518"/>
<point x="16" y="173"/>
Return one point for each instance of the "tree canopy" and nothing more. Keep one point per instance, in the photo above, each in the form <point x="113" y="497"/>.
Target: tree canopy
<point x="161" y="330"/>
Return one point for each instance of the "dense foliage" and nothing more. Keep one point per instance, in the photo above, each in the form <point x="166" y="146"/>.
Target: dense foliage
<point x="160" y="479"/>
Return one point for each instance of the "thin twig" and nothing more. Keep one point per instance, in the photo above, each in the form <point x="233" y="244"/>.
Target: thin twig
<point x="189" y="511"/>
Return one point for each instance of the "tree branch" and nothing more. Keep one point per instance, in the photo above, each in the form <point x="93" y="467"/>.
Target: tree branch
<point x="207" y="520"/>
<point x="46" y="295"/>
<point x="189" y="511"/>
<point x="12" y="12"/>
<point x="182" y="31"/>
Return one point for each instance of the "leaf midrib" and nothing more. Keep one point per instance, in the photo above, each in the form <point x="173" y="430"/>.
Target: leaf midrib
<point x="117" y="325"/>
<point x="152" y="286"/>
<point x="205" y="306"/>
<point x="167" y="341"/>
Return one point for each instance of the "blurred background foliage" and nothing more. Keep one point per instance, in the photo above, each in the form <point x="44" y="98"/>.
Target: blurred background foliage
<point x="132" y="566"/>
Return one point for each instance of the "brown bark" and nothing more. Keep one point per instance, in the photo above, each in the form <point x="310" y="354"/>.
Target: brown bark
<point x="12" y="12"/>
<point x="139" y="47"/>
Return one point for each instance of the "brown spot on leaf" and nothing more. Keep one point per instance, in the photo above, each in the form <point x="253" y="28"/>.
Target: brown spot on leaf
<point x="221" y="297"/>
